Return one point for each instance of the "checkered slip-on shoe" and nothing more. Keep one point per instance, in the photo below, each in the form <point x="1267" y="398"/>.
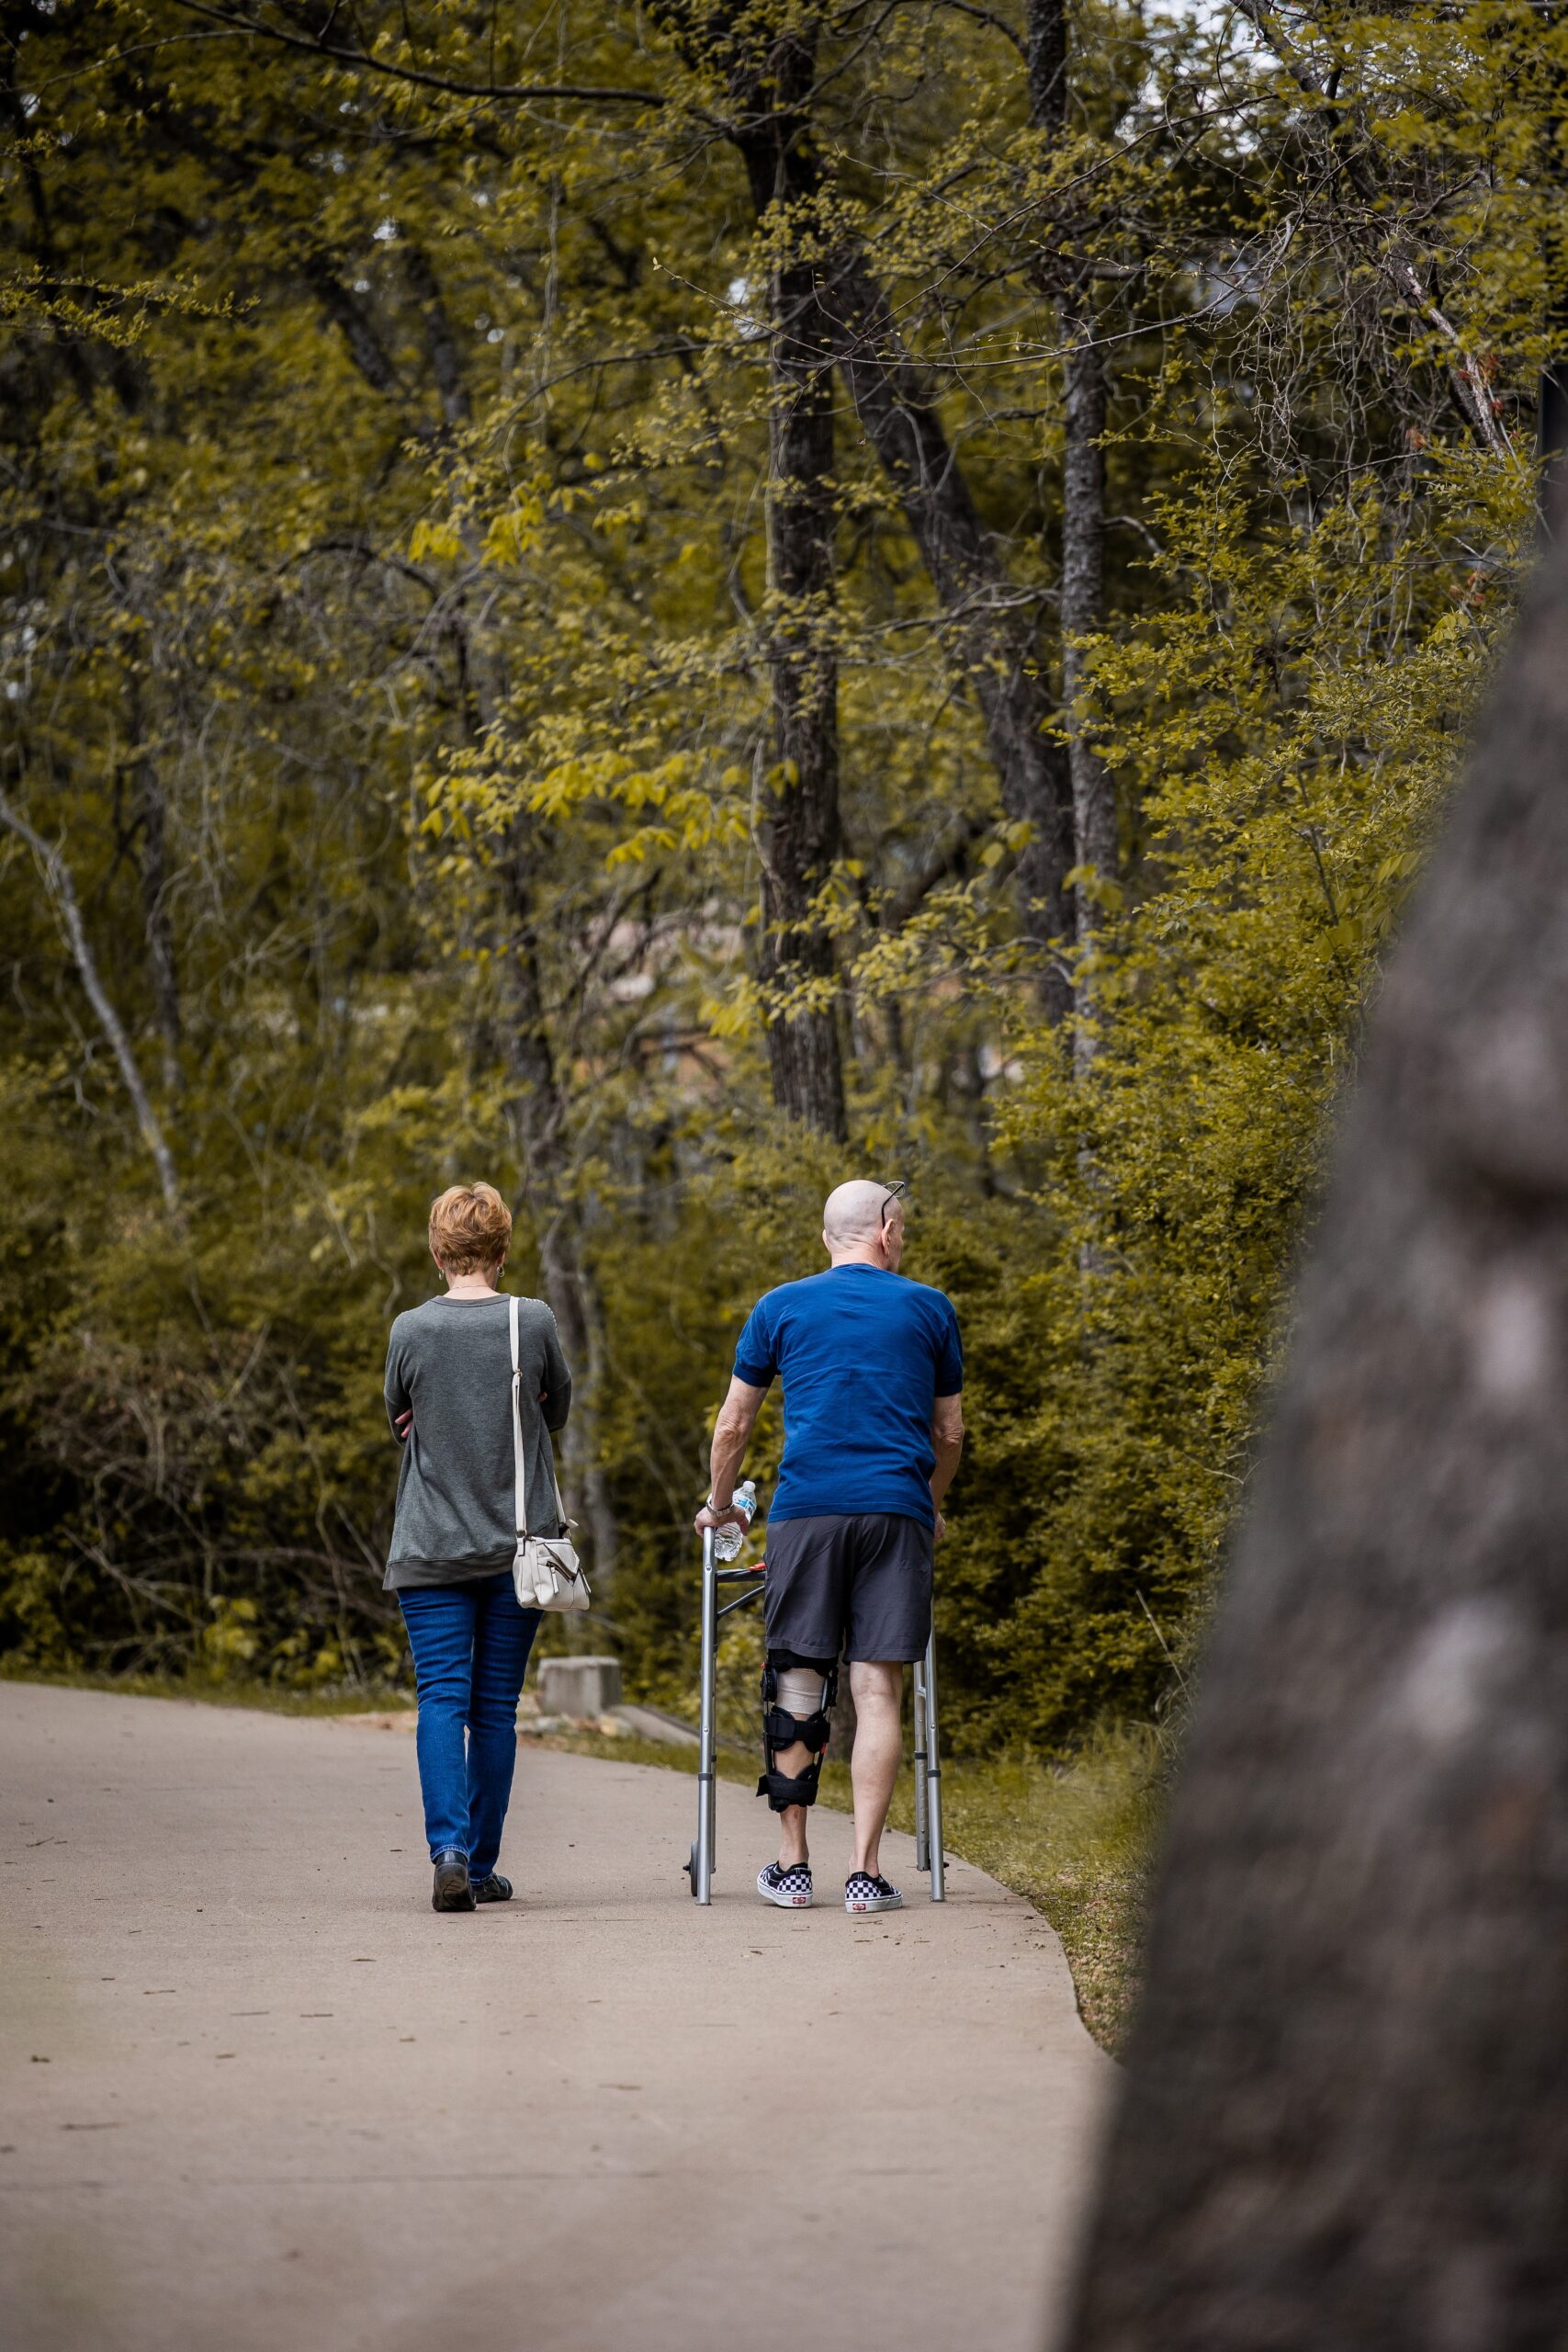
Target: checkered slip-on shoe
<point x="865" y="1893"/>
<point x="789" y="1888"/>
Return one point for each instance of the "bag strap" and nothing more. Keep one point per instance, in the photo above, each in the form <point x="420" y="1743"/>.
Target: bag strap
<point x="519" y="1473"/>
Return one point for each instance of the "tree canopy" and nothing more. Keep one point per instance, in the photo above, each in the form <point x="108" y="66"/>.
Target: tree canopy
<point x="667" y="603"/>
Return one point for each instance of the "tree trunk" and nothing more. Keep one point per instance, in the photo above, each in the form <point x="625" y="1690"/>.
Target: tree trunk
<point x="990" y="624"/>
<point x="1083" y="531"/>
<point x="1345" y="2119"/>
<point x="799" y="966"/>
<point x="1083" y="581"/>
<point x="352" y="319"/>
<point x="445" y="360"/>
<point x="1552" y="398"/>
<point x="1083" y="610"/>
<point x="804" y="839"/>
<point x="1045" y="53"/>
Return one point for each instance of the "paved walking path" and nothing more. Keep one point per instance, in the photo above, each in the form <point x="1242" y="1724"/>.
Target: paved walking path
<point x="254" y="2094"/>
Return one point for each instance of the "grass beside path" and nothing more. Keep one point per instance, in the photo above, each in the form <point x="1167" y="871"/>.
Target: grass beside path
<point x="225" y="1690"/>
<point x="1075" y="1838"/>
<point x="1077" y="1841"/>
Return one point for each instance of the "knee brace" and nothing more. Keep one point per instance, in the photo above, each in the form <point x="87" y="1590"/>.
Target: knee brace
<point x="797" y="1698"/>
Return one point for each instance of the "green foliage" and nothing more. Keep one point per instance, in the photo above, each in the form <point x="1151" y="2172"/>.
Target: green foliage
<point x="385" y="608"/>
<point x="1293" y="727"/>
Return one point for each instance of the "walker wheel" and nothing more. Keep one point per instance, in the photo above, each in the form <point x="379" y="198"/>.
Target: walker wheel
<point x="689" y="1867"/>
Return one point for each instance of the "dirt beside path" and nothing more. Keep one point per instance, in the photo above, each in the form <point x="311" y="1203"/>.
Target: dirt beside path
<point x="254" y="2094"/>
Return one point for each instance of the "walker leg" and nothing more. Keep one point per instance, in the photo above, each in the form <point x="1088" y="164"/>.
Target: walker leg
<point x="933" y="1780"/>
<point x="922" y="1828"/>
<point x="703" y="1855"/>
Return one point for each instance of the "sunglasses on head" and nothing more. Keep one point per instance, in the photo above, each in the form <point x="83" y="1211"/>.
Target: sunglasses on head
<point x="902" y="1185"/>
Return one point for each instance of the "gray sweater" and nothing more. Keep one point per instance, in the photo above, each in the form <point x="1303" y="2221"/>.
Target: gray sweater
<point x="451" y="1359"/>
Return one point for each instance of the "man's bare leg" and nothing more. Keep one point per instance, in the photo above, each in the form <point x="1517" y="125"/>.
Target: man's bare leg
<point x="878" y="1692"/>
<point x="791" y="1820"/>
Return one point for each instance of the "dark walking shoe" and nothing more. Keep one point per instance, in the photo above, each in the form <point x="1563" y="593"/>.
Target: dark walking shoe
<point x="493" y="1888"/>
<point x="452" y="1891"/>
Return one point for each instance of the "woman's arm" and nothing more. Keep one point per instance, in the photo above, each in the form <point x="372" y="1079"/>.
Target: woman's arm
<point x="394" y="1388"/>
<point x="554" y="1396"/>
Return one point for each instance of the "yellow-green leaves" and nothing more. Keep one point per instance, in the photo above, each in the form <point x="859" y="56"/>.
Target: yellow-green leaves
<point x="436" y="537"/>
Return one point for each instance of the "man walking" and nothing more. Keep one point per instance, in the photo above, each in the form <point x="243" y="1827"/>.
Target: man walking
<point x="873" y="1427"/>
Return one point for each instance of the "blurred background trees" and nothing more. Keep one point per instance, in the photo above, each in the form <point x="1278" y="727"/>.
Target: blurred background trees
<point x="1342" y="2118"/>
<point x="664" y="604"/>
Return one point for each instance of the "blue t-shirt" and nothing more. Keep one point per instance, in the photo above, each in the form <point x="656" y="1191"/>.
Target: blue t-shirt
<point x="863" y="1355"/>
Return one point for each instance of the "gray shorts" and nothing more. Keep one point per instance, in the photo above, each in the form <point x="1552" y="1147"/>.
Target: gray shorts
<point x="860" y="1584"/>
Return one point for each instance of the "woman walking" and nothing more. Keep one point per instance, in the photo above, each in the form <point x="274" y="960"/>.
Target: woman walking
<point x="448" y="1392"/>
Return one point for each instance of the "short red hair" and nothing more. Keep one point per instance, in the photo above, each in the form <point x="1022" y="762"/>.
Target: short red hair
<point x="470" y="1226"/>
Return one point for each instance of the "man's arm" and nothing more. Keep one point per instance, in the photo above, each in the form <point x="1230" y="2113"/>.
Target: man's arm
<point x="731" y="1435"/>
<point x="947" y="1444"/>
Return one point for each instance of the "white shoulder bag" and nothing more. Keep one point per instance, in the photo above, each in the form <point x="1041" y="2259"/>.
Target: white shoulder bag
<point x="544" y="1568"/>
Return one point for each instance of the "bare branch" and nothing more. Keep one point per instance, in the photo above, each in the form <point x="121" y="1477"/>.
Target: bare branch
<point x="513" y="92"/>
<point x="62" y="889"/>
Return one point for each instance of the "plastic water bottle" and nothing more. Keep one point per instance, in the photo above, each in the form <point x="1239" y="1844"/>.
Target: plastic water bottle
<point x="728" y="1541"/>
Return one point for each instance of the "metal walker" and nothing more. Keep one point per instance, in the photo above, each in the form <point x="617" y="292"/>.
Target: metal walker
<point x="929" y="1855"/>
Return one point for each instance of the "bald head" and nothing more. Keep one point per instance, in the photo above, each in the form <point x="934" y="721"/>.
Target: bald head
<point x="864" y="1220"/>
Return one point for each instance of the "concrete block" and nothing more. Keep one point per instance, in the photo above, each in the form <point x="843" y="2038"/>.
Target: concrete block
<point x="580" y="1686"/>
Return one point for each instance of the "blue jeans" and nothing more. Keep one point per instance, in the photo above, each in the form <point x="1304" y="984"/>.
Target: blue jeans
<point x="470" y="1644"/>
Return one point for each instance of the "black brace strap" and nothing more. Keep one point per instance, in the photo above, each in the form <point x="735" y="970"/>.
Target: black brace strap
<point x="781" y="1730"/>
<point x="781" y="1790"/>
<point x="827" y="1668"/>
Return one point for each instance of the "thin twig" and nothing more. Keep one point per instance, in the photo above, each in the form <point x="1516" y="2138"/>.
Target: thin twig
<point x="1165" y="1645"/>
